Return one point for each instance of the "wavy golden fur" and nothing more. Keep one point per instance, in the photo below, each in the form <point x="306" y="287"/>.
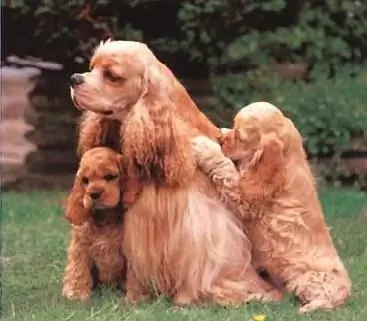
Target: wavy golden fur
<point x="274" y="187"/>
<point x="95" y="209"/>
<point x="167" y="248"/>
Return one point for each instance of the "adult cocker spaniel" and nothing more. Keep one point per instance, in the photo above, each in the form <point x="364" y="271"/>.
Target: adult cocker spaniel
<point x="179" y="239"/>
<point x="95" y="208"/>
<point x="275" y="193"/>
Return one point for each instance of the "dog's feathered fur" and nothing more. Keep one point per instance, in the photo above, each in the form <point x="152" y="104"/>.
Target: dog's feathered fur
<point x="179" y="239"/>
<point x="276" y="192"/>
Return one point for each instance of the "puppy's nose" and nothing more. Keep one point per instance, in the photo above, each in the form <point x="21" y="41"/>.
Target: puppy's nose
<point x="76" y="79"/>
<point x="95" y="195"/>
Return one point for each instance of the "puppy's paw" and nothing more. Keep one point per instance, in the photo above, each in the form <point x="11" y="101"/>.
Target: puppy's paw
<point x="203" y="148"/>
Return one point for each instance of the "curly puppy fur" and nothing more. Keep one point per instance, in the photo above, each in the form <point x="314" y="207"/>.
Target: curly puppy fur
<point x="95" y="209"/>
<point x="168" y="250"/>
<point x="277" y="195"/>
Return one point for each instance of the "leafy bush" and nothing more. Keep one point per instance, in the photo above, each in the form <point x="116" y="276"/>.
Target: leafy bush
<point x="329" y="112"/>
<point x="251" y="33"/>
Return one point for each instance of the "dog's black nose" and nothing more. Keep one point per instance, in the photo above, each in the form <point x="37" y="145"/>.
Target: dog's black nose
<point x="95" y="195"/>
<point x="76" y="79"/>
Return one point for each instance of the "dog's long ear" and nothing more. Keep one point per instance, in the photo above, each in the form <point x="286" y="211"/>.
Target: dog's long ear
<point x="153" y="139"/>
<point x="264" y="176"/>
<point x="95" y="131"/>
<point x="75" y="212"/>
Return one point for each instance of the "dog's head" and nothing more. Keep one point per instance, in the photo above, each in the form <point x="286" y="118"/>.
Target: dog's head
<point x="100" y="175"/>
<point x="97" y="184"/>
<point x="263" y="141"/>
<point x="116" y="80"/>
<point x="256" y="127"/>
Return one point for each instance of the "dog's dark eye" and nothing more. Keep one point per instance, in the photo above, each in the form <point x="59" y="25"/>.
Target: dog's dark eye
<point x="111" y="76"/>
<point x="110" y="177"/>
<point x="85" y="180"/>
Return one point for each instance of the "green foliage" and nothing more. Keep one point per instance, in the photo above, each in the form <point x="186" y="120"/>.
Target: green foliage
<point x="253" y="33"/>
<point x="329" y="112"/>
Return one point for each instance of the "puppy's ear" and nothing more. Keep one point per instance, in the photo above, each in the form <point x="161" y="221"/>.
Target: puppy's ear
<point x="265" y="175"/>
<point x="152" y="141"/>
<point x="75" y="212"/>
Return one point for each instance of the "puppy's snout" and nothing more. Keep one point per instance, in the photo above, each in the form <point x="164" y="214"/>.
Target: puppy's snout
<point x="95" y="195"/>
<point x="76" y="79"/>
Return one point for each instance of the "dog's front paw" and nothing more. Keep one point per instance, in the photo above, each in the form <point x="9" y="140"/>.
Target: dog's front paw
<point x="72" y="293"/>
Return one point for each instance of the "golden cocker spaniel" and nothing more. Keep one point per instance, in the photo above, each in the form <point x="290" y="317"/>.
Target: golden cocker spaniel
<point x="135" y="105"/>
<point x="275" y="194"/>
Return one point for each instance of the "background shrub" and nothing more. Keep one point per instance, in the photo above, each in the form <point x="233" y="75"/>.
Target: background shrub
<point x="328" y="112"/>
<point x="251" y="33"/>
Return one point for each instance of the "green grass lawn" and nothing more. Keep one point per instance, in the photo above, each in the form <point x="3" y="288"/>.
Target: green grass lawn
<point x="34" y="241"/>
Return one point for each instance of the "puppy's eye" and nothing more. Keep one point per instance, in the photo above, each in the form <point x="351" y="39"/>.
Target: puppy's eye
<point x="110" y="177"/>
<point x="111" y="76"/>
<point x="85" y="180"/>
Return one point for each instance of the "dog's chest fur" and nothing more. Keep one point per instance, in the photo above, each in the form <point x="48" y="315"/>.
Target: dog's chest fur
<point x="105" y="250"/>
